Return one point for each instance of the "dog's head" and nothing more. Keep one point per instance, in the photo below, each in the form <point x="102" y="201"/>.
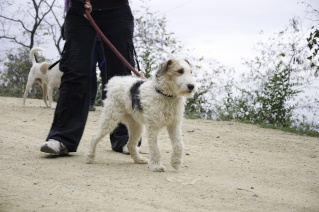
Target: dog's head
<point x="175" y="78"/>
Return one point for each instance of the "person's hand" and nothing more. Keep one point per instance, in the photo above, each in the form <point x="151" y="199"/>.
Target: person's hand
<point x="87" y="6"/>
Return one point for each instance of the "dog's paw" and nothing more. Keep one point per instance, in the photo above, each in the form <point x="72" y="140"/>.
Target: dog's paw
<point x="176" y="163"/>
<point x="141" y="160"/>
<point x="89" y="159"/>
<point x="157" y="168"/>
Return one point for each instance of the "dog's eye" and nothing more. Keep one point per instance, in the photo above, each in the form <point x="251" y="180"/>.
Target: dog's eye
<point x="181" y="71"/>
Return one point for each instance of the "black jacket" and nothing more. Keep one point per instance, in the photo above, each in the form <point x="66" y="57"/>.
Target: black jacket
<point x="107" y="4"/>
<point x="78" y="5"/>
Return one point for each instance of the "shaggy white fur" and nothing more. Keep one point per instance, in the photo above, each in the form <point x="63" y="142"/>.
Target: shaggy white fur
<point x="155" y="103"/>
<point x="48" y="79"/>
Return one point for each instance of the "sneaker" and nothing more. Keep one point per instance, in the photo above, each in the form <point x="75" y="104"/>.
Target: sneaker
<point x="54" y="147"/>
<point x="92" y="108"/>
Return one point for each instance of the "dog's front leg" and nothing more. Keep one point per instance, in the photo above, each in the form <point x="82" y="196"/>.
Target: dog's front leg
<point x="175" y="134"/>
<point x="155" y="163"/>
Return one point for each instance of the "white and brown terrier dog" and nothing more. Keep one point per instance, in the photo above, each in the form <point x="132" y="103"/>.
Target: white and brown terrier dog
<point x="155" y="103"/>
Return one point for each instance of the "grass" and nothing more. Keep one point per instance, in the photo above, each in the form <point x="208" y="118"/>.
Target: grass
<point x="295" y="130"/>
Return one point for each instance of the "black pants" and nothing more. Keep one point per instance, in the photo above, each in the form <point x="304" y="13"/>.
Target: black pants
<point x="97" y="58"/>
<point x="74" y="94"/>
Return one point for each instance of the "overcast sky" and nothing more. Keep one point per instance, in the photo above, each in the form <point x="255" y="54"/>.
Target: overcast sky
<point x="223" y="30"/>
<point x="226" y="30"/>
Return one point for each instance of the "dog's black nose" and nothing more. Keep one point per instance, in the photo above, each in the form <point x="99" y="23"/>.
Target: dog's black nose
<point x="190" y="87"/>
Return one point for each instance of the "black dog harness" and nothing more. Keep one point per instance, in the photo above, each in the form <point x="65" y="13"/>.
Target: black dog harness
<point x="160" y="91"/>
<point x="54" y="64"/>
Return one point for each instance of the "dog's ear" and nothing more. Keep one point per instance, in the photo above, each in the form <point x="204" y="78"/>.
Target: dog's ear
<point x="188" y="62"/>
<point x="44" y="67"/>
<point x="163" y="68"/>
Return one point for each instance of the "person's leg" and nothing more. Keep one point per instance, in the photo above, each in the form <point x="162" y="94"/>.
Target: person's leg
<point x="101" y="62"/>
<point x="72" y="107"/>
<point x="93" y="76"/>
<point x="118" y="26"/>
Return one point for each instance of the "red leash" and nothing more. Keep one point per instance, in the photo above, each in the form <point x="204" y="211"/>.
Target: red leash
<point x="118" y="54"/>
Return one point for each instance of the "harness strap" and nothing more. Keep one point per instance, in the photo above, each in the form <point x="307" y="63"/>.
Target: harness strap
<point x="160" y="91"/>
<point x="54" y="64"/>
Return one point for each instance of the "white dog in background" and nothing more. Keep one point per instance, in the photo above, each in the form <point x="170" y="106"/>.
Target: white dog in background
<point x="47" y="78"/>
<point x="155" y="103"/>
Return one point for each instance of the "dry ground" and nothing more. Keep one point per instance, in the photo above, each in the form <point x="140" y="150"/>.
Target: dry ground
<point x="227" y="167"/>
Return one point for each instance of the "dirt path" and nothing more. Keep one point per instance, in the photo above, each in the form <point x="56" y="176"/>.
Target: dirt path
<point x="227" y="167"/>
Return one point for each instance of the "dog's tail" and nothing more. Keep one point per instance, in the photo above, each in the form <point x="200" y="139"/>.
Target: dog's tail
<point x="33" y="50"/>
